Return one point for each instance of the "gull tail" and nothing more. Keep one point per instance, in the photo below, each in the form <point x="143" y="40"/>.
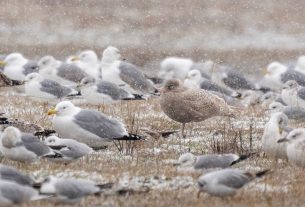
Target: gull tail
<point x="262" y="173"/>
<point x="74" y="93"/>
<point x="243" y="157"/>
<point x="103" y="187"/>
<point x="130" y="137"/>
<point x="135" y="97"/>
<point x="55" y="154"/>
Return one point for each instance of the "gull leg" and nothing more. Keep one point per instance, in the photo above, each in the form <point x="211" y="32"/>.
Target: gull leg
<point x="183" y="130"/>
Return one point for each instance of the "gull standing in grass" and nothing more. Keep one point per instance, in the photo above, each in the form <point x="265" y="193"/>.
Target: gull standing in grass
<point x="23" y="147"/>
<point x="275" y="129"/>
<point x="104" y="92"/>
<point x="70" y="149"/>
<point x="16" y="67"/>
<point x="65" y="74"/>
<point x="208" y="161"/>
<point x="88" y="62"/>
<point x="70" y="190"/>
<point x="38" y="86"/>
<point x="124" y="74"/>
<point x="292" y="112"/>
<point x="293" y="94"/>
<point x="87" y="126"/>
<point x="186" y="105"/>
<point x="226" y="182"/>
<point x="295" y="147"/>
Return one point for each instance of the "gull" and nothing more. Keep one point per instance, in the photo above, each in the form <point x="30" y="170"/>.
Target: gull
<point x="275" y="129"/>
<point x="295" y="147"/>
<point x="300" y="66"/>
<point x="12" y="193"/>
<point x="226" y="182"/>
<point x="124" y="74"/>
<point x="16" y="67"/>
<point x="250" y="97"/>
<point x="104" y="92"/>
<point x="292" y="112"/>
<point x="277" y="74"/>
<point x="22" y="147"/>
<point x="63" y="73"/>
<point x="194" y="79"/>
<point x="70" y="149"/>
<point x="87" y="126"/>
<point x="186" y="105"/>
<point x="88" y="62"/>
<point x="266" y="99"/>
<point x="209" y="161"/>
<point x="11" y="174"/>
<point x="175" y="67"/>
<point x="37" y="86"/>
<point x="293" y="94"/>
<point x="70" y="190"/>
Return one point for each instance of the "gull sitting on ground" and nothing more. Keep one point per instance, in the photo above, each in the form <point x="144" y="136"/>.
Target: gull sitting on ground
<point x="226" y="182"/>
<point x="293" y="94"/>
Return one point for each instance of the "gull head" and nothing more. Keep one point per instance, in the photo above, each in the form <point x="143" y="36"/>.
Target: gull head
<point x="14" y="59"/>
<point x="275" y="68"/>
<point x="64" y="108"/>
<point x="172" y="85"/>
<point x="47" y="61"/>
<point x="194" y="75"/>
<point x="10" y="137"/>
<point x="280" y="120"/>
<point x="294" y="136"/>
<point x="52" y="140"/>
<point x="301" y="62"/>
<point x="87" y="82"/>
<point x="88" y="56"/>
<point x="33" y="77"/>
<point x="111" y="54"/>
<point x="291" y="84"/>
<point x="186" y="160"/>
<point x="276" y="107"/>
<point x="48" y="185"/>
<point x="267" y="98"/>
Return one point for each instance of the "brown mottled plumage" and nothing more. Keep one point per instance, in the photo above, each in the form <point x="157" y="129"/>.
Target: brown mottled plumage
<point x="186" y="105"/>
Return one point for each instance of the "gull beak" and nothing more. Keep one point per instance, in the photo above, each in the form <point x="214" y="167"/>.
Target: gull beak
<point x="52" y="112"/>
<point x="3" y="63"/>
<point x="282" y="140"/>
<point x="75" y="58"/>
<point x="264" y="71"/>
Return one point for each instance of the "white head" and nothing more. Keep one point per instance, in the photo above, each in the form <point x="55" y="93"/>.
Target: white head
<point x="33" y="77"/>
<point x="52" y="140"/>
<point x="194" y="75"/>
<point x="276" y="68"/>
<point x="111" y="54"/>
<point x="276" y="107"/>
<point x="87" y="82"/>
<point x="48" y="185"/>
<point x="267" y="98"/>
<point x="10" y="137"/>
<point x="186" y="160"/>
<point x="88" y="56"/>
<point x="301" y="62"/>
<point x="296" y="135"/>
<point x="64" y="108"/>
<point x="291" y="84"/>
<point x="280" y="119"/>
<point x="15" y="59"/>
<point x="47" y="61"/>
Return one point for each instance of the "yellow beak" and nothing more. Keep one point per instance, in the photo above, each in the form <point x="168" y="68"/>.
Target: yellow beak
<point x="3" y="63"/>
<point x="52" y="112"/>
<point x="75" y="58"/>
<point x="265" y="71"/>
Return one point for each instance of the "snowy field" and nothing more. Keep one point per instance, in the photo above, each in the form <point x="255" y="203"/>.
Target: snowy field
<point x="245" y="34"/>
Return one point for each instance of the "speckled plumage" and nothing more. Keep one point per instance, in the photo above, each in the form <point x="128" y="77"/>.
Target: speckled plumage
<point x="186" y="105"/>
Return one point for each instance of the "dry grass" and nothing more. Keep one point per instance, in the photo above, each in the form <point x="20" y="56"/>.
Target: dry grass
<point x="150" y="164"/>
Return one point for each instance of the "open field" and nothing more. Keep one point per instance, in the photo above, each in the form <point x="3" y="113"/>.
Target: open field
<point x="150" y="166"/>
